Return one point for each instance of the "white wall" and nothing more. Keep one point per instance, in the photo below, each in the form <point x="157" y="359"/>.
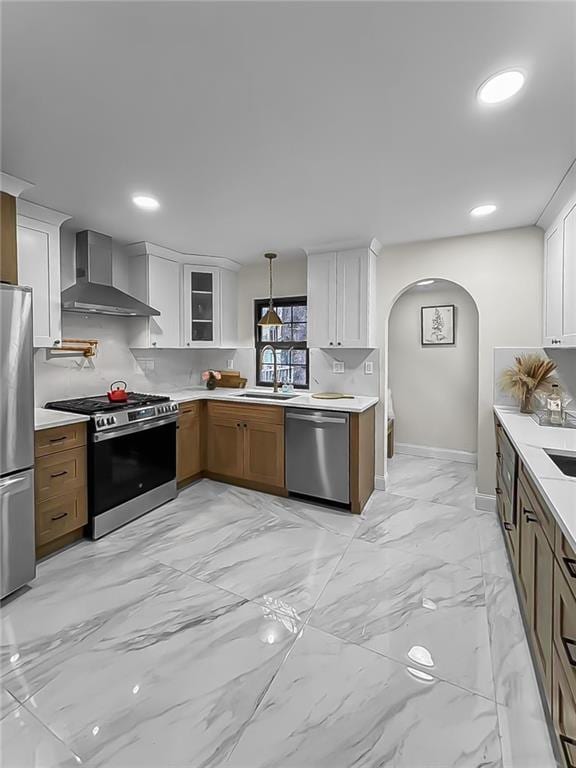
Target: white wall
<point x="434" y="388"/>
<point x="290" y="279"/>
<point x="502" y="271"/>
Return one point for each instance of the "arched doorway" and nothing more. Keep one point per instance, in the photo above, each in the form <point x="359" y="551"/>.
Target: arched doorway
<point x="432" y="376"/>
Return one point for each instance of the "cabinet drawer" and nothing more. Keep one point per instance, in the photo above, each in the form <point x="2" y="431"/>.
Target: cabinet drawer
<point x="506" y="454"/>
<point x="56" y="439"/>
<point x="263" y="414"/>
<point x="56" y="517"/>
<point x="506" y="481"/>
<point x="566" y="557"/>
<point x="564" y="713"/>
<point x="545" y="519"/>
<point x="60" y="473"/>
<point x="189" y="409"/>
<point x="565" y="626"/>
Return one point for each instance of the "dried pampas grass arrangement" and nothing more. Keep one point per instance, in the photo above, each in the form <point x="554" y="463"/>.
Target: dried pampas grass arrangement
<point x="531" y="373"/>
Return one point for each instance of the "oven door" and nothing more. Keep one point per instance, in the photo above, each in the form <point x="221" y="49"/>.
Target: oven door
<point x="130" y="461"/>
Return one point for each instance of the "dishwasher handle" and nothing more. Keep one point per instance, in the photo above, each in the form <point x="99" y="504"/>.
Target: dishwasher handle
<point x="317" y="419"/>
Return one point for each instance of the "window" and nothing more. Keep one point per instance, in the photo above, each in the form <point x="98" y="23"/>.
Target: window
<point x="288" y="342"/>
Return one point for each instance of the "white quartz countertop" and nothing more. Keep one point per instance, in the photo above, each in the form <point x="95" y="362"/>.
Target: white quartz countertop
<point x="44" y="418"/>
<point x="355" y="404"/>
<point x="531" y="441"/>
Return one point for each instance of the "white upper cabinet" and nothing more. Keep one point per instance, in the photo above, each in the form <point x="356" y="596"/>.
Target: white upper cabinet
<point x="322" y="300"/>
<point x="569" y="280"/>
<point x="560" y="279"/>
<point x="553" y="285"/>
<point x="341" y="310"/>
<point x="559" y="223"/>
<point x="197" y="302"/>
<point x="38" y="239"/>
<point x="210" y="306"/>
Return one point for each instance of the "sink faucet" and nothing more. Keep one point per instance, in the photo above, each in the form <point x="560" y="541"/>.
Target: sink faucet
<point x="275" y="374"/>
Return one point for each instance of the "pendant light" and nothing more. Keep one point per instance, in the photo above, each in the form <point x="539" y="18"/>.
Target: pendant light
<point x="270" y="319"/>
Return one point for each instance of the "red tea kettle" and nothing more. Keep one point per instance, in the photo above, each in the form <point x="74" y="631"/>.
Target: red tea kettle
<point x="118" y="394"/>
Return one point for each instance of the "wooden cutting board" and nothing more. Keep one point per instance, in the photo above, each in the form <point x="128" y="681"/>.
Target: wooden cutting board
<point x="332" y="396"/>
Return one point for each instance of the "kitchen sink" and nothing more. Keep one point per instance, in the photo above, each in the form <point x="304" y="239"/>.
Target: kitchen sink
<point x="267" y="396"/>
<point x="566" y="462"/>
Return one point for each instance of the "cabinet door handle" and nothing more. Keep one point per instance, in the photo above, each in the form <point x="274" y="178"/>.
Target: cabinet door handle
<point x="530" y="518"/>
<point x="498" y="455"/>
<point x="59" y="474"/>
<point x="570" y="648"/>
<point x="58" y="439"/>
<point x="508" y="526"/>
<point x="331" y="343"/>
<point x="59" y="517"/>
<point x="498" y="491"/>
<point x="339" y="343"/>
<point x="567" y="742"/>
<point x="570" y="565"/>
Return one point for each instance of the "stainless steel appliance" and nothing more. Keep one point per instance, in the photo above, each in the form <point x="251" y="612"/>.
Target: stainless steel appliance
<point x="17" y="545"/>
<point x="131" y="456"/>
<point x="318" y="454"/>
<point x="93" y="290"/>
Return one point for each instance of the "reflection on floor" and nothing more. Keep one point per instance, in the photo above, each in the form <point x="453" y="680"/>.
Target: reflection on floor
<point x="234" y="628"/>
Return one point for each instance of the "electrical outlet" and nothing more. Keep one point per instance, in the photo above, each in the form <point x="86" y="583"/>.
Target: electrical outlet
<point x="229" y="364"/>
<point x="368" y="367"/>
<point x="337" y="367"/>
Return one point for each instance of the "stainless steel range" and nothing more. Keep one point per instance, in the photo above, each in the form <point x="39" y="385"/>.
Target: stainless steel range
<point x="131" y="456"/>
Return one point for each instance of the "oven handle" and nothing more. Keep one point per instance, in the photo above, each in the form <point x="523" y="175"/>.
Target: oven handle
<point x="128" y="430"/>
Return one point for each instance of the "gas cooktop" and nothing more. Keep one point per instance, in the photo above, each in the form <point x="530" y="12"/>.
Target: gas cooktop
<point x="101" y="404"/>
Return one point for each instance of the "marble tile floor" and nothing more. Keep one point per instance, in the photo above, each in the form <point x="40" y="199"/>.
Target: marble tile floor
<point x="232" y="628"/>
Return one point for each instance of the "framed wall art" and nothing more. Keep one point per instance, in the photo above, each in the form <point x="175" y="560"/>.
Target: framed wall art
<point x="437" y="326"/>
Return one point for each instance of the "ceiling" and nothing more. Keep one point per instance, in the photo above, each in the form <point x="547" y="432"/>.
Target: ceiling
<point x="273" y="126"/>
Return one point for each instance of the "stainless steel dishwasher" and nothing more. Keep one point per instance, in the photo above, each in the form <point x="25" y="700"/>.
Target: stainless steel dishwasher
<point x="317" y="454"/>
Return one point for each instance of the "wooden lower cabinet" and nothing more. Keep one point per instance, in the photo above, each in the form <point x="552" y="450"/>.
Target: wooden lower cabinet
<point x="544" y="566"/>
<point x="246" y="444"/>
<point x="188" y="445"/>
<point x="60" y="487"/>
<point x="564" y="712"/>
<point x="264" y="453"/>
<point x="225" y="448"/>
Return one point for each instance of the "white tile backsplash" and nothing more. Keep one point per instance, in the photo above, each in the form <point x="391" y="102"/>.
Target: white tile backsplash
<point x="149" y="370"/>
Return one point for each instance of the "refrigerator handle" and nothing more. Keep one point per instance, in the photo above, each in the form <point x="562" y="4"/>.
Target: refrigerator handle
<point x="11" y="481"/>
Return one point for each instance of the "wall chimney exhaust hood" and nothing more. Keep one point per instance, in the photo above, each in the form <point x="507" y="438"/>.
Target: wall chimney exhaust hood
<point x="93" y="290"/>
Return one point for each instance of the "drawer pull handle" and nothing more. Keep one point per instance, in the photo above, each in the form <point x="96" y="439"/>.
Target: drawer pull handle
<point x="58" y="439"/>
<point x="498" y="491"/>
<point x="59" y="474"/>
<point x="570" y="648"/>
<point x="530" y="518"/>
<point x="498" y="455"/>
<point x="59" y="517"/>
<point x="508" y="527"/>
<point x="567" y="742"/>
<point x="570" y="565"/>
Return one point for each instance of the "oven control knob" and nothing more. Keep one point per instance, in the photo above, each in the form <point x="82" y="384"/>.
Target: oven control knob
<point x="99" y="422"/>
<point x="110" y="420"/>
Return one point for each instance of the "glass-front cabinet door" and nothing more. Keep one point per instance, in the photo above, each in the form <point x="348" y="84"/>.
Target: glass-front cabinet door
<point x="201" y="307"/>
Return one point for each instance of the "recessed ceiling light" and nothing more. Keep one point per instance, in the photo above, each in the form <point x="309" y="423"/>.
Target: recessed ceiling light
<point x="500" y="87"/>
<point x="425" y="282"/>
<point x="483" y="210"/>
<point x="146" y="202"/>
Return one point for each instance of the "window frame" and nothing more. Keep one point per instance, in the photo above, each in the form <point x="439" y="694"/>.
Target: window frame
<point x="284" y="301"/>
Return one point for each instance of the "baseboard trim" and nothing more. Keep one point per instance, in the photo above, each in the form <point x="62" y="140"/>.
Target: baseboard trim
<point x="445" y="454"/>
<point x="380" y="482"/>
<point x="485" y="502"/>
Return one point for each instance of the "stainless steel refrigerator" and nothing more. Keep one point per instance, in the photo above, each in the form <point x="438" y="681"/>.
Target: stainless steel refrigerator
<point x="17" y="546"/>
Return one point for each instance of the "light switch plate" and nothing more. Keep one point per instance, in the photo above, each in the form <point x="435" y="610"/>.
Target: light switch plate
<point x="368" y="367"/>
<point x="230" y="364"/>
<point x="337" y="367"/>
